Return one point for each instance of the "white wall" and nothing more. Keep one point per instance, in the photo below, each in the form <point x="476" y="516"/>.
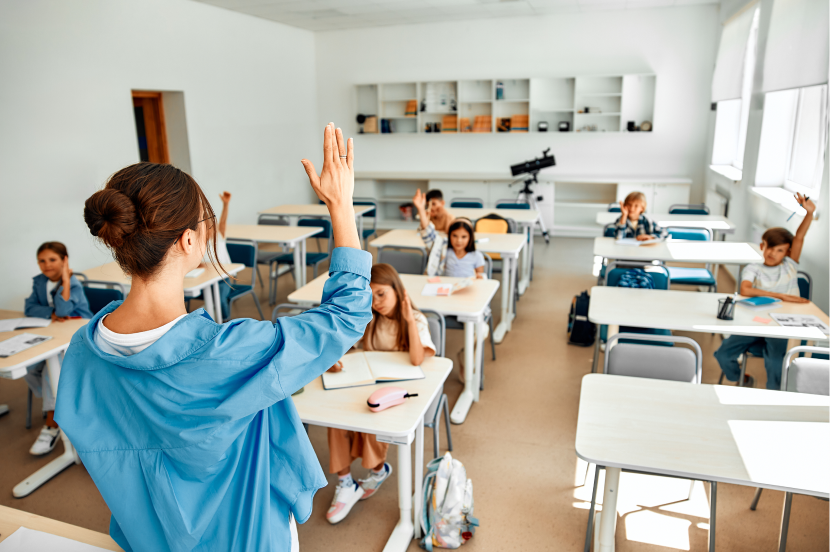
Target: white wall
<point x="678" y="44"/>
<point x="66" y="71"/>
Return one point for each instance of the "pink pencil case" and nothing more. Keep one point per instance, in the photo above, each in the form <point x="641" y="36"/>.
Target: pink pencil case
<point x="387" y="397"/>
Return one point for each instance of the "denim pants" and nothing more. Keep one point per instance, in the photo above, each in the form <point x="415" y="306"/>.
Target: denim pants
<point x="735" y="345"/>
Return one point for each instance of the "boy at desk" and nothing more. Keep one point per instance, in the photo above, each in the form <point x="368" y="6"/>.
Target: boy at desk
<point x="438" y="215"/>
<point x="633" y="223"/>
<point x="777" y="277"/>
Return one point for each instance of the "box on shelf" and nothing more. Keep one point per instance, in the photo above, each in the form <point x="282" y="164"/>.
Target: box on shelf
<point x="449" y="123"/>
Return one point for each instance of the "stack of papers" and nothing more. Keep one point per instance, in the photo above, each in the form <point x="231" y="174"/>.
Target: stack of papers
<point x="20" y="342"/>
<point x="371" y="367"/>
<point x="13" y="324"/>
<point x="801" y="321"/>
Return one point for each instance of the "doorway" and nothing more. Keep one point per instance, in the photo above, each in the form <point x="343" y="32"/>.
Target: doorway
<point x="149" y="124"/>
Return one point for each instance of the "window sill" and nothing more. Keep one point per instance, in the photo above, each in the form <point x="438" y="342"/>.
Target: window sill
<point x="782" y="199"/>
<point x="730" y="172"/>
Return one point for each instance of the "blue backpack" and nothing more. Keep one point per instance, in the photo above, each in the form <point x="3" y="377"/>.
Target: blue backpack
<point x="636" y="278"/>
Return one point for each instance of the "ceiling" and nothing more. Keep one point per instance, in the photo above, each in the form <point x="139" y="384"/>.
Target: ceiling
<point x="329" y="15"/>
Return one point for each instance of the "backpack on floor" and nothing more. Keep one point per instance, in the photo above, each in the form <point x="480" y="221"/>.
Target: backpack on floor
<point x="447" y="513"/>
<point x="581" y="331"/>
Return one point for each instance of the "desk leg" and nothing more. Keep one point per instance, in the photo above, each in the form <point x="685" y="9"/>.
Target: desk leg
<point x="608" y="518"/>
<point x="713" y="508"/>
<point x="360" y="231"/>
<point x="401" y="536"/>
<point x="69" y="456"/>
<point x="299" y="264"/>
<point x="506" y="299"/>
<point x="217" y="301"/>
<point x="525" y="262"/>
<point x="479" y="366"/>
<point x="465" y="400"/>
<point x="785" y="522"/>
<point x="207" y="295"/>
<point x="419" y="476"/>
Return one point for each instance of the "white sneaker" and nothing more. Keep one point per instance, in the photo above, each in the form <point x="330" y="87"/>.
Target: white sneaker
<point x="46" y="441"/>
<point x="345" y="496"/>
<point x="373" y="482"/>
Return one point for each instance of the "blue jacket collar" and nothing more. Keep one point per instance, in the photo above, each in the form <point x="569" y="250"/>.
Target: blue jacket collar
<point x="187" y="336"/>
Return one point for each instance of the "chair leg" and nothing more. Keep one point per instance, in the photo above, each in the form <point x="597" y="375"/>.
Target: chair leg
<point x="589" y="531"/>
<point x="743" y="371"/>
<point x="258" y="307"/>
<point x="720" y="379"/>
<point x="492" y="343"/>
<point x="785" y="522"/>
<point x="259" y="275"/>
<point x="447" y="423"/>
<point x="756" y="498"/>
<point x="29" y="409"/>
<point x="436" y="423"/>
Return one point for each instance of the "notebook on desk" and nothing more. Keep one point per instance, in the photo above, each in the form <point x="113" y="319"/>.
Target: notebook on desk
<point x="11" y="324"/>
<point x="371" y="367"/>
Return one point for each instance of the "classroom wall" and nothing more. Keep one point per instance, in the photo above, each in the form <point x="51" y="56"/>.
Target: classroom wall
<point x="676" y="43"/>
<point x="67" y="119"/>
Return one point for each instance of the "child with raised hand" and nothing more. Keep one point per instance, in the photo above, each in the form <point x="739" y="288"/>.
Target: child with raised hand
<point x="396" y="325"/>
<point x="431" y="209"/>
<point x="777" y="277"/>
<point x="455" y="255"/>
<point x="222" y="255"/>
<point x="633" y="223"/>
<point x="56" y="294"/>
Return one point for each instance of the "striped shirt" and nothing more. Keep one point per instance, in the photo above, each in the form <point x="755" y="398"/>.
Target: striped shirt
<point x="781" y="278"/>
<point x="643" y="227"/>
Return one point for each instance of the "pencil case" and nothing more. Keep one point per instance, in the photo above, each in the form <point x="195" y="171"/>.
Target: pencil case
<point x="387" y="397"/>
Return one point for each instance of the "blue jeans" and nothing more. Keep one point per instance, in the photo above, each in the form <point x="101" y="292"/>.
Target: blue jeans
<point x="735" y="345"/>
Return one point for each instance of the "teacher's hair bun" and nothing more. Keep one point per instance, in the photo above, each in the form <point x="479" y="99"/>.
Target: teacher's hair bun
<point x="111" y="216"/>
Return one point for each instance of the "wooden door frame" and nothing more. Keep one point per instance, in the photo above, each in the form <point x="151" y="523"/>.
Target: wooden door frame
<point x="156" y="130"/>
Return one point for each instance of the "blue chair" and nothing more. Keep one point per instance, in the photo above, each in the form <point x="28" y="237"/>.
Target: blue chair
<point x="688" y="209"/>
<point x="614" y="208"/>
<point x="244" y="253"/>
<point x="692" y="276"/>
<point x="511" y="204"/>
<point x="406" y="260"/>
<point x="373" y="214"/>
<point x="311" y="259"/>
<point x="467" y="203"/>
<point x="269" y="257"/>
<point x="99" y="298"/>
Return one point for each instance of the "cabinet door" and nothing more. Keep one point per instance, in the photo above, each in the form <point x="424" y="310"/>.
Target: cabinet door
<point x="666" y="195"/>
<point x="455" y="189"/>
<point x="648" y="189"/>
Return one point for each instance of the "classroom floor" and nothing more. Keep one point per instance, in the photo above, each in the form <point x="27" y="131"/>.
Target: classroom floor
<point x="517" y="444"/>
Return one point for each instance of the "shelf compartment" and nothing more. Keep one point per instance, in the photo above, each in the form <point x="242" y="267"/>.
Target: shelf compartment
<point x="552" y="118"/>
<point x="514" y="89"/>
<point x="398" y="91"/>
<point x="438" y="96"/>
<point x="475" y="91"/>
<point x="599" y="85"/>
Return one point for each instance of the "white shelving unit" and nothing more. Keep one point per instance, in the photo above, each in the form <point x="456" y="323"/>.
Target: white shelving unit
<point x="612" y="101"/>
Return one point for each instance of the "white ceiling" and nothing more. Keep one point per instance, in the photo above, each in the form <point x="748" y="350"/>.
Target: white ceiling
<point x="327" y="15"/>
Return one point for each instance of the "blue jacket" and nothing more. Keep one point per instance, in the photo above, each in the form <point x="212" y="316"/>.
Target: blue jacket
<point x="37" y="304"/>
<point x="194" y="443"/>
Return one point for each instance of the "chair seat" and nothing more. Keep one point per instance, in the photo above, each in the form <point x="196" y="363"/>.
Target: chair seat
<point x="368" y="232"/>
<point x="310" y="258"/>
<point x="691" y="276"/>
<point x="239" y="290"/>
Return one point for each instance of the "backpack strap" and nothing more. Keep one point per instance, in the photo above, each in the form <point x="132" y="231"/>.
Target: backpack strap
<point x="426" y="522"/>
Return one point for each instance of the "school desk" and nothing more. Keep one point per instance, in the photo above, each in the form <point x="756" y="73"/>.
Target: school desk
<point x="14" y="367"/>
<point x="11" y="520"/>
<point x="287" y="236"/>
<point x="468" y="305"/>
<point x="716" y="223"/>
<point x="525" y="218"/>
<point x="399" y="425"/>
<point x="691" y="311"/>
<point x="316" y="210"/>
<point x="507" y="245"/>
<point x="716" y="433"/>
<point x="208" y="282"/>
<point x="680" y="251"/>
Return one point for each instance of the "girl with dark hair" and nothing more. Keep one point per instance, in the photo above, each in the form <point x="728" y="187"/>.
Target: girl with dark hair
<point x="185" y="425"/>
<point x="56" y="294"/>
<point x="397" y="325"/>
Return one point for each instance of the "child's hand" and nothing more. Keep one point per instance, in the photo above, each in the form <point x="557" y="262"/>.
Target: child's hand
<point x="808" y="204"/>
<point x="66" y="273"/>
<point x="225" y="197"/>
<point x="481" y="276"/>
<point x="419" y="200"/>
<point x="338" y="366"/>
<point x="793" y="299"/>
<point x="645" y="237"/>
<point x="406" y="308"/>
<point x="56" y="318"/>
<point x="623" y="210"/>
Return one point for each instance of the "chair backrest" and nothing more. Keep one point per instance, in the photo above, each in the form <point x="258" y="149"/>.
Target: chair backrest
<point x="805" y="285"/>
<point x="437" y="330"/>
<point x="659" y="273"/>
<point x="366" y="201"/>
<point x="272" y="220"/>
<point x="325" y="224"/>
<point x="806" y="375"/>
<point x="614" y="208"/>
<point x="405" y="260"/>
<point x="511" y="204"/>
<point x="689" y="233"/>
<point x="467" y="203"/>
<point x="244" y="252"/>
<point x="99" y="297"/>
<point x="495" y="224"/>
<point x="610" y="230"/>
<point x="287" y="309"/>
<point x="647" y="361"/>
<point x="688" y="209"/>
<point x="488" y="265"/>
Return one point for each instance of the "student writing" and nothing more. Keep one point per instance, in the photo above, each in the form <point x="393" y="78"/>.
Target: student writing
<point x="396" y="326"/>
<point x="181" y="422"/>
<point x="633" y="223"/>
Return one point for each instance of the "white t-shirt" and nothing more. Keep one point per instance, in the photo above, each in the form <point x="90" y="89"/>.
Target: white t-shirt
<point x="50" y="287"/>
<point x="781" y="278"/>
<point x="465" y="266"/>
<point x="221" y="251"/>
<point x="385" y="337"/>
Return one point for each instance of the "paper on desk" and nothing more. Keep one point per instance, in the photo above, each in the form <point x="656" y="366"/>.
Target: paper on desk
<point x="19" y="323"/>
<point x="431" y="290"/>
<point x="800" y="321"/>
<point x="195" y="273"/>
<point x="20" y="342"/>
<point x="636" y="243"/>
<point x="29" y="540"/>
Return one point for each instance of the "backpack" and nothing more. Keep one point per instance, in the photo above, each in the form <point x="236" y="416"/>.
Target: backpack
<point x="581" y="331"/>
<point x="447" y="513"/>
<point x="636" y="278"/>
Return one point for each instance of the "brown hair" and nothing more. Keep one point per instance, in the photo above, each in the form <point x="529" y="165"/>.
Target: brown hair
<point x="463" y="224"/>
<point x="777" y="236"/>
<point x="635" y="196"/>
<point x="143" y="210"/>
<point x="57" y="247"/>
<point x="386" y="275"/>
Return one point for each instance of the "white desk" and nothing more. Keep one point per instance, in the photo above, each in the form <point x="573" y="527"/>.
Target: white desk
<point x="293" y="212"/>
<point x="11" y="520"/>
<point x="509" y="246"/>
<point x="681" y="251"/>
<point x="287" y="236"/>
<point x="347" y="409"/>
<point x="14" y="367"/>
<point x="716" y="223"/>
<point x="744" y="436"/>
<point x="468" y="305"/>
<point x="525" y="218"/>
<point x="210" y="278"/>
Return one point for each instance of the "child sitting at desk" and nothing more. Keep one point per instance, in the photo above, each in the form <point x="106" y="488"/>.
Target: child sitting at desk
<point x="633" y="223"/>
<point x="778" y="278"/>
<point x="396" y="325"/>
<point x="431" y="209"/>
<point x="454" y="256"/>
<point x="224" y="257"/>
<point x="58" y="295"/>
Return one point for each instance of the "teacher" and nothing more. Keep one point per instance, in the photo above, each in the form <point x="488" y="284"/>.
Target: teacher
<point x="187" y="426"/>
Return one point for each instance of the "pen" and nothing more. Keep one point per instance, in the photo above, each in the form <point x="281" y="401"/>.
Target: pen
<point x="791" y="216"/>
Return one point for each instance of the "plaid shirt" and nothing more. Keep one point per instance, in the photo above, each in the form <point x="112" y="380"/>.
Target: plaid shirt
<point x="645" y="227"/>
<point x="437" y="246"/>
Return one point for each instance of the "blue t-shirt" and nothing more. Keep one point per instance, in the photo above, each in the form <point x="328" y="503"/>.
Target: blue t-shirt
<point x="465" y="266"/>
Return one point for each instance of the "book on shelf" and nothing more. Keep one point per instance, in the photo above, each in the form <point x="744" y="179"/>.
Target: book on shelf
<point x="371" y="367"/>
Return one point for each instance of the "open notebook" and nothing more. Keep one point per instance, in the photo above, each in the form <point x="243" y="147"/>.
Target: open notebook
<point x="445" y="289"/>
<point x="371" y="367"/>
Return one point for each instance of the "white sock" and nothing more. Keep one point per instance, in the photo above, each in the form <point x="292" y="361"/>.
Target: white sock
<point x="381" y="471"/>
<point x="346" y="479"/>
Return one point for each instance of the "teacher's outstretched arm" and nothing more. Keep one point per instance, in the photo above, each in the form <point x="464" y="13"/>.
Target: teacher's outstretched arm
<point x="335" y="185"/>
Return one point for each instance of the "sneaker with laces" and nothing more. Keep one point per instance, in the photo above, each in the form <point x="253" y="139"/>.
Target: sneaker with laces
<point x="345" y="496"/>
<point x="372" y="483"/>
<point x="46" y="441"/>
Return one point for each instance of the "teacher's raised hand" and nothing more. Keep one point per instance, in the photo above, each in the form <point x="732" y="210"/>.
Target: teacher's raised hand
<point x="335" y="185"/>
